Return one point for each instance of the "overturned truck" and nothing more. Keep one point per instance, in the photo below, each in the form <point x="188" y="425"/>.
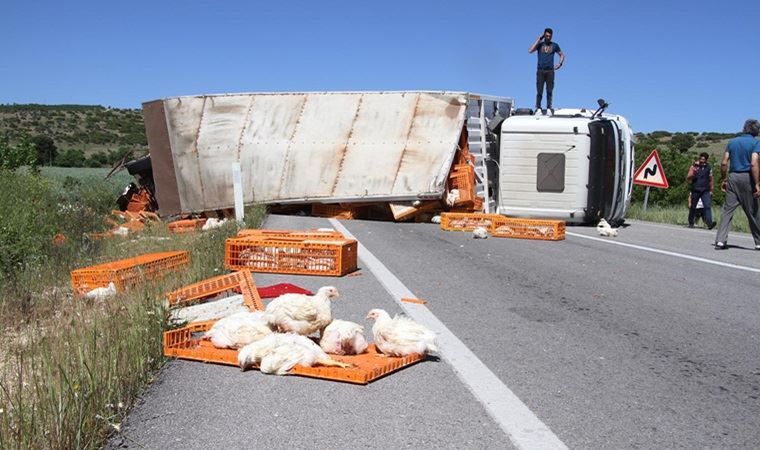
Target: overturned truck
<point x="394" y="147"/>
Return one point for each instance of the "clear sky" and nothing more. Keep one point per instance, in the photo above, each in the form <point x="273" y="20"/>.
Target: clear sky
<point x="678" y="66"/>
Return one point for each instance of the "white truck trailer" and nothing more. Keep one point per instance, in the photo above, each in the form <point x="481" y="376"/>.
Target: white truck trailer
<point x="332" y="147"/>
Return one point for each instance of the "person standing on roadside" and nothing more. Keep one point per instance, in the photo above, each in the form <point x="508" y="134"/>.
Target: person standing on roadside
<point x="741" y="155"/>
<point x="701" y="178"/>
<point x="546" y="67"/>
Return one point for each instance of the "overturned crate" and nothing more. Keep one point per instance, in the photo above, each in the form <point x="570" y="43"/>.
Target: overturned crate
<point x="128" y="272"/>
<point x="298" y="256"/>
<point x="451" y="221"/>
<point x="186" y="225"/>
<point x="187" y="343"/>
<point x="549" y="230"/>
<point x="239" y="282"/>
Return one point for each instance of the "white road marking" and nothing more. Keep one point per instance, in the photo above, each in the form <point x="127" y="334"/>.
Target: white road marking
<point x="734" y="235"/>
<point x="525" y="430"/>
<point x="666" y="252"/>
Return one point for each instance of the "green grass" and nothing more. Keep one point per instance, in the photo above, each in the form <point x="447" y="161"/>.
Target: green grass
<point x="679" y="216"/>
<point x="71" y="368"/>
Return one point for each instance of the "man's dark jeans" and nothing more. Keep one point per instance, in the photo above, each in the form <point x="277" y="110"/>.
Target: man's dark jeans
<point x="706" y="198"/>
<point x="544" y="76"/>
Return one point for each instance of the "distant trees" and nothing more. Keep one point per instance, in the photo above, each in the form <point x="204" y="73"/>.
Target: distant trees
<point x="682" y="141"/>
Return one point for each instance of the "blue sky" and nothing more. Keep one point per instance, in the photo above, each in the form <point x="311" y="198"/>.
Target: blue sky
<point x="679" y="66"/>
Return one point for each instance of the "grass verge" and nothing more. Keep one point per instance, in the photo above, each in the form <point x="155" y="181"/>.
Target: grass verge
<point x="71" y="367"/>
<point x="680" y="216"/>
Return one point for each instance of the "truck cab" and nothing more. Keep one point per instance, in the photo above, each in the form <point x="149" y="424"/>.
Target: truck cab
<point x="573" y="165"/>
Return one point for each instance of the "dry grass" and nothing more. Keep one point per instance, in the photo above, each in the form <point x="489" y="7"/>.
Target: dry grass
<point x="71" y="367"/>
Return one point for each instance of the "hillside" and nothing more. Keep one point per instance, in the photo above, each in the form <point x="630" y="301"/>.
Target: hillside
<point x="93" y="135"/>
<point x="95" y="131"/>
<point x="710" y="142"/>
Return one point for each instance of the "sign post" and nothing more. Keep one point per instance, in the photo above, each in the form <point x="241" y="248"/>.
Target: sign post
<point x="650" y="174"/>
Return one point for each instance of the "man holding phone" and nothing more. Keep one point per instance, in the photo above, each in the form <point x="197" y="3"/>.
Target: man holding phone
<point x="546" y="67"/>
<point x="700" y="175"/>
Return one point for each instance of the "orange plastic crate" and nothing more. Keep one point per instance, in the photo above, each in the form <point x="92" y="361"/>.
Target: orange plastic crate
<point x="240" y="282"/>
<point x="549" y="230"/>
<point x="128" y="272"/>
<point x="306" y="234"/>
<point x="334" y="211"/>
<point x="187" y="225"/>
<point x="181" y="343"/>
<point x="292" y="255"/>
<point x="467" y="221"/>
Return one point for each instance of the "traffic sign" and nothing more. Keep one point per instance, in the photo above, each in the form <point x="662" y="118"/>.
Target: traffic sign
<point x="650" y="173"/>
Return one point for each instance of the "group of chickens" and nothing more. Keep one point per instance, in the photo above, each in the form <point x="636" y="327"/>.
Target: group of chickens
<point x="276" y="339"/>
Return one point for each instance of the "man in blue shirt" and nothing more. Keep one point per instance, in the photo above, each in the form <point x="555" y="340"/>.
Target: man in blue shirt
<point x="740" y="187"/>
<point x="546" y="67"/>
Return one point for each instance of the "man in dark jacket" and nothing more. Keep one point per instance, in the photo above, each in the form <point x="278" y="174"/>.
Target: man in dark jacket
<point x="700" y="175"/>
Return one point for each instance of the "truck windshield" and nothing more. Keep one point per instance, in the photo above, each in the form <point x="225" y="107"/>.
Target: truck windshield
<point x="602" y="177"/>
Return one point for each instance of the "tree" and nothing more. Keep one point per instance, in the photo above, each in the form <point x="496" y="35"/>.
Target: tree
<point x="682" y="141"/>
<point x="46" y="150"/>
<point x="14" y="156"/>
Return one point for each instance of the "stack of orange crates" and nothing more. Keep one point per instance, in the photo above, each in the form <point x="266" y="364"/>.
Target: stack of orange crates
<point x="126" y="273"/>
<point x="462" y="178"/>
<point x="293" y="255"/>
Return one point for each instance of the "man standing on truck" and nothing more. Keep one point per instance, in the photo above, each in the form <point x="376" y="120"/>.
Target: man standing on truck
<point x="739" y="187"/>
<point x="546" y="67"/>
<point x="700" y="176"/>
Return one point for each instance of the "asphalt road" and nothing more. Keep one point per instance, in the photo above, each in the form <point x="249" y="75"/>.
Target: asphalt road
<point x="650" y="344"/>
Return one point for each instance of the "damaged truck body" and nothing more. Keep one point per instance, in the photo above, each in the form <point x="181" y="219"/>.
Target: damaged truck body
<point x="369" y="147"/>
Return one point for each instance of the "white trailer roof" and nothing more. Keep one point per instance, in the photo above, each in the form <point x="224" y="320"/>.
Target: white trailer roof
<point x="299" y="147"/>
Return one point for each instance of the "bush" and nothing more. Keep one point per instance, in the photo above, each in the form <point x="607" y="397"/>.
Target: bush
<point x="35" y="208"/>
<point x="71" y="158"/>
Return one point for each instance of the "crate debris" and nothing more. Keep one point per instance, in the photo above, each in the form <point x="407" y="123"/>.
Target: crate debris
<point x="239" y="282"/>
<point x="417" y="301"/>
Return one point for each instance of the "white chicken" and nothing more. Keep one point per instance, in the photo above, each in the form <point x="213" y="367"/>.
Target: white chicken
<point x="102" y="293"/>
<point x="212" y="223"/>
<point x="605" y="229"/>
<point x="277" y="353"/>
<point x="452" y="197"/>
<point x="401" y="336"/>
<point x="342" y="337"/>
<point x="480" y="233"/>
<point x="302" y="314"/>
<point x="436" y="219"/>
<point x="239" y="329"/>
